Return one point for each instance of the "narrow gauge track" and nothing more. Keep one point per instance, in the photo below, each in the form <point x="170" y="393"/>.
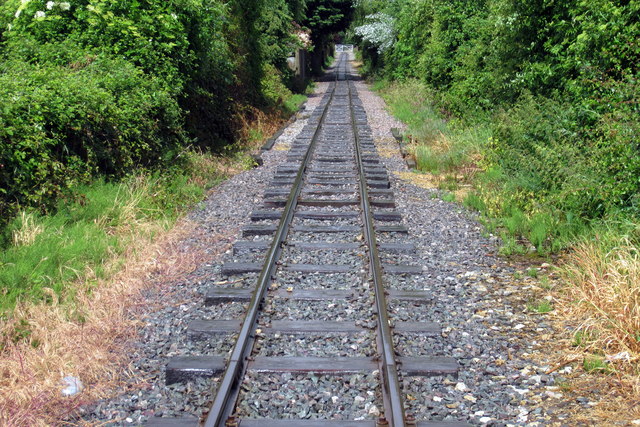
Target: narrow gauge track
<point x="329" y="214"/>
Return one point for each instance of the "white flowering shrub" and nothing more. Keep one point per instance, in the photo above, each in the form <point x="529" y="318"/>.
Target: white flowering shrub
<point x="379" y="31"/>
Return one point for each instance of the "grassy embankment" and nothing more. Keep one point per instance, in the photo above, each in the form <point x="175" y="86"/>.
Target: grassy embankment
<point x="68" y="277"/>
<point x="598" y="294"/>
<point x="44" y="253"/>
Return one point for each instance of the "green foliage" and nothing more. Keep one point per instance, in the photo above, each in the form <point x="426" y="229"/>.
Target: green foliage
<point x="293" y="103"/>
<point x="64" y="125"/>
<point x="541" y="227"/>
<point x="545" y="283"/>
<point x="595" y="364"/>
<point x="582" y="338"/>
<point x="69" y="242"/>
<point x="515" y="223"/>
<point x="96" y="88"/>
<point x="277" y="94"/>
<point x="273" y="88"/>
<point x="277" y="39"/>
<point x="441" y="147"/>
<point x="540" y="307"/>
<point x="448" y="197"/>
<point x="297" y="8"/>
<point x="42" y="252"/>
<point x="93" y="92"/>
<point x="550" y="170"/>
<point x="511" y="245"/>
<point x="325" y="17"/>
<point x="473" y="201"/>
<point x="532" y="272"/>
<point x="558" y="84"/>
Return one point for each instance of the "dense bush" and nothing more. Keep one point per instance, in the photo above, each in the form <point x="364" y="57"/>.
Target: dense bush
<point x="64" y="125"/>
<point x="557" y="81"/>
<point x="100" y="88"/>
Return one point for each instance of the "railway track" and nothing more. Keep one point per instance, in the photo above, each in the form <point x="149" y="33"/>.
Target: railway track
<point x="316" y="345"/>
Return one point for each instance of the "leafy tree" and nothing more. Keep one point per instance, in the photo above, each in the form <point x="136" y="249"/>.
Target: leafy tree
<point x="276" y="28"/>
<point x="327" y="17"/>
<point x="557" y="79"/>
<point x="297" y="9"/>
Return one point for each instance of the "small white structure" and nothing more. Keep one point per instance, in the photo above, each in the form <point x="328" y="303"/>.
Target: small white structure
<point x="344" y="48"/>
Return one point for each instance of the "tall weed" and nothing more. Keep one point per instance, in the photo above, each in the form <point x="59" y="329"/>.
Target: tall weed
<point x="603" y="276"/>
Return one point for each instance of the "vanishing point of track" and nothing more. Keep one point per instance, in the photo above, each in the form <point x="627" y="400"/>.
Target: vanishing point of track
<point x="332" y="196"/>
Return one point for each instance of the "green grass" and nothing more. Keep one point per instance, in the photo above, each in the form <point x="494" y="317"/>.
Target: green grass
<point x="540" y="307"/>
<point x="582" y="338"/>
<point x="564" y="385"/>
<point x="426" y="159"/>
<point x="57" y="256"/>
<point x="448" y="197"/>
<point x="410" y="102"/>
<point x="510" y="201"/>
<point x="449" y="183"/>
<point x="595" y="364"/>
<point x="255" y="135"/>
<point x="545" y="283"/>
<point x="69" y="241"/>
<point x="511" y="246"/>
<point x="329" y="61"/>
<point x="293" y="103"/>
<point x="474" y="202"/>
<point x="41" y="253"/>
<point x="442" y="146"/>
<point x="515" y="222"/>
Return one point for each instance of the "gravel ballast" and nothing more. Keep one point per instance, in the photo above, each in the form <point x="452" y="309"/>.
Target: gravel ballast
<point x="490" y="335"/>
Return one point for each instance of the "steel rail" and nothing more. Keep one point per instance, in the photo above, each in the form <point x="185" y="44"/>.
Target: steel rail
<point x="224" y="401"/>
<point x="392" y="391"/>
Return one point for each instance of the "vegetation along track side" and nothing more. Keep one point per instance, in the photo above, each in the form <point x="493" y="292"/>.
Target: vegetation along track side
<point x="316" y="335"/>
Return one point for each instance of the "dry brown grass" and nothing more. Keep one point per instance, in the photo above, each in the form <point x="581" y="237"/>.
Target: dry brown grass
<point x="423" y="180"/>
<point x="597" y="315"/>
<point x="206" y="166"/>
<point x="28" y="231"/>
<point x="84" y="339"/>
<point x="86" y="336"/>
<point x="613" y="396"/>
<point x="434" y="181"/>
<point x="437" y="141"/>
<point x="387" y="147"/>
<point x="603" y="292"/>
<point x="458" y="180"/>
<point x="356" y="65"/>
<point x="255" y="122"/>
